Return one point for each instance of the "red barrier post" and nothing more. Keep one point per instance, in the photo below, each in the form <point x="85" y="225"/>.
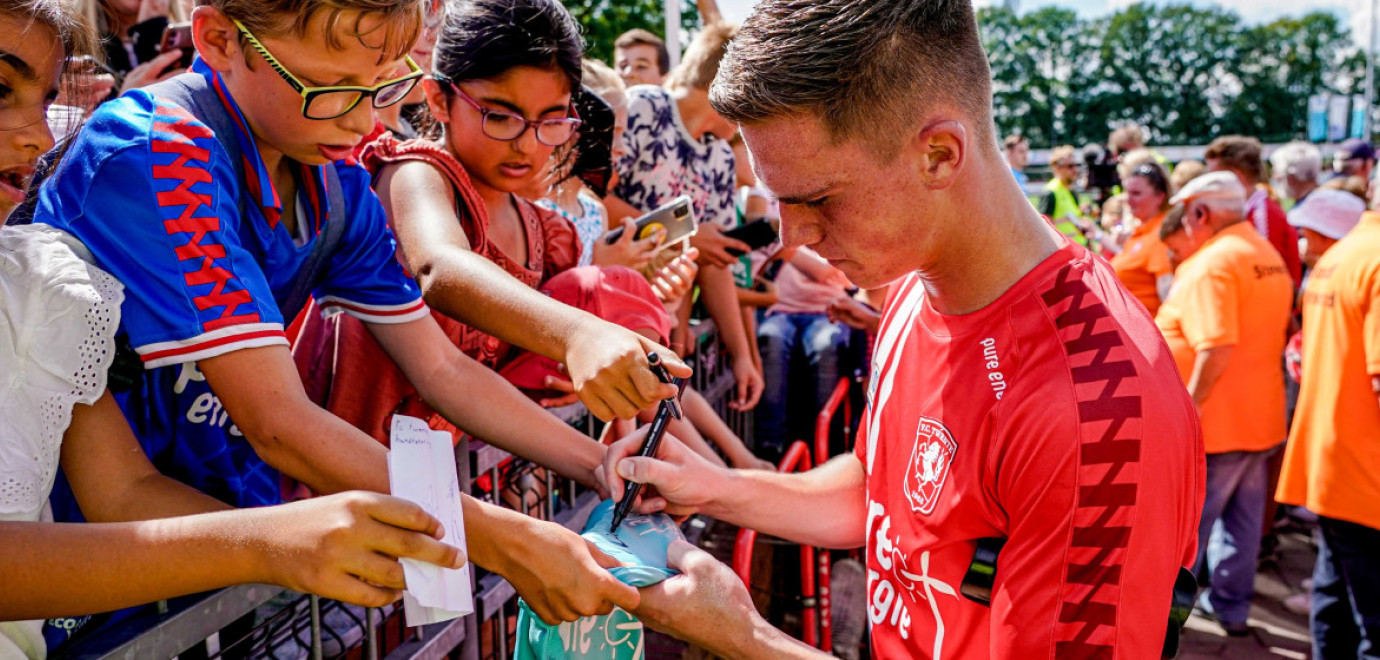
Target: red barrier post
<point x="826" y="417"/>
<point x="797" y="459"/>
<point x="822" y="423"/>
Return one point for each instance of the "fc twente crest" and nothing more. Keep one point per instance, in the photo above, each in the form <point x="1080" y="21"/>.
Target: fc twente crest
<point x="929" y="465"/>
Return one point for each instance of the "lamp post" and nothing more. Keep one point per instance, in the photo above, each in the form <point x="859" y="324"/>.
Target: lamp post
<point x="1370" y="74"/>
<point x="672" y="13"/>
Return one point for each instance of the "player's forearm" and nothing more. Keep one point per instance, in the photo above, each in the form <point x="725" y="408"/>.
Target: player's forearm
<point x="755" y="639"/>
<point x="49" y="569"/>
<point x="482" y="403"/>
<point x="1208" y="367"/>
<point x="771" y="503"/>
<point x="720" y="295"/>
<point x="769" y="643"/>
<point x="477" y="292"/>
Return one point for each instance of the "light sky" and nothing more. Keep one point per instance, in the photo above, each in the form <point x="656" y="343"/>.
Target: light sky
<point x="1354" y="12"/>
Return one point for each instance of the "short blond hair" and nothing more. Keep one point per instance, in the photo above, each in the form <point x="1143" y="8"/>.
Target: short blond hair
<point x="1061" y="152"/>
<point x="401" y="25"/>
<point x="604" y="81"/>
<point x="1186" y="171"/>
<point x="1126" y="138"/>
<point x="700" y="63"/>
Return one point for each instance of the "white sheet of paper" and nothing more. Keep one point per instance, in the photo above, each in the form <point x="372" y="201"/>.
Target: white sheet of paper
<point x="421" y="469"/>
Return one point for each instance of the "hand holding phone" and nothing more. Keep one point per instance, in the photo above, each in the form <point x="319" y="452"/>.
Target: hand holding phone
<point x="756" y="234"/>
<point x="178" y="36"/>
<point x="677" y="219"/>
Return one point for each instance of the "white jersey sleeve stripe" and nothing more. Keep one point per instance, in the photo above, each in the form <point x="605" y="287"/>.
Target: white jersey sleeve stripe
<point x="386" y="314"/>
<point x="211" y="344"/>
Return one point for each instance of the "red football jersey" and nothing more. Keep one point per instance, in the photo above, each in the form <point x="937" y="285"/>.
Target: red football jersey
<point x="1054" y="418"/>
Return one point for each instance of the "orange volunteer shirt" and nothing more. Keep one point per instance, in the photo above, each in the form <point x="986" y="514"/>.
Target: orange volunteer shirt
<point x="1332" y="462"/>
<point x="1142" y="261"/>
<point x="1235" y="291"/>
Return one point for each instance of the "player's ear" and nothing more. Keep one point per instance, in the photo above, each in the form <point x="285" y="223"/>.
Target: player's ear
<point x="941" y="148"/>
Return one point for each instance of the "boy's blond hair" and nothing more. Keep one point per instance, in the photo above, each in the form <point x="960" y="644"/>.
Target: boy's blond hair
<point x="604" y="81"/>
<point x="401" y="25"/>
<point x="700" y="63"/>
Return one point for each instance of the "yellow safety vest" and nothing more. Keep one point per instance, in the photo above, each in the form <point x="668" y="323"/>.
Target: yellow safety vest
<point x="1064" y="205"/>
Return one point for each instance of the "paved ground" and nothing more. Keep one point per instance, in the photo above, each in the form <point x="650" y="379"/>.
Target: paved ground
<point x="1275" y="632"/>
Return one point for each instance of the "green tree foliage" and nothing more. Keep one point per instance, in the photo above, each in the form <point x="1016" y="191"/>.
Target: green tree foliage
<point x="1186" y="73"/>
<point x="604" y="20"/>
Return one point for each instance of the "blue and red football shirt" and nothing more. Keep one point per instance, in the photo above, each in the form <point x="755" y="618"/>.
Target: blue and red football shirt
<point x="1054" y="418"/>
<point x="156" y="198"/>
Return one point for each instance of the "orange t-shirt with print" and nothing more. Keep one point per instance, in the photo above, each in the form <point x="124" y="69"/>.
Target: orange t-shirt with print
<point x="1332" y="463"/>
<point x="1235" y="291"/>
<point x="1142" y="262"/>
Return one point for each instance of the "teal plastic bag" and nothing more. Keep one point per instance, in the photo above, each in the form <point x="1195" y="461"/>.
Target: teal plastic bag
<point x="641" y="543"/>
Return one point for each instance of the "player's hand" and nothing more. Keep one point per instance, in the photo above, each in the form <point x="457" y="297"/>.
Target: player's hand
<point x="714" y="246"/>
<point x="852" y="313"/>
<point x="676" y="279"/>
<point x="345" y="546"/>
<point x="153" y="71"/>
<point x="682" y="481"/>
<point x="626" y="251"/>
<point x="608" y="367"/>
<point x="561" y="575"/>
<point x="749" y="383"/>
<point x="706" y="605"/>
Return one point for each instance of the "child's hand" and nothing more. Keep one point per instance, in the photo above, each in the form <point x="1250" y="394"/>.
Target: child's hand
<point x="714" y="246"/>
<point x="155" y="70"/>
<point x="89" y="90"/>
<point x="675" y="281"/>
<point x="562" y="385"/>
<point x="626" y="251"/>
<point x="852" y="313"/>
<point x="345" y="547"/>
<point x="749" y="383"/>
<point x="608" y="366"/>
<point x="562" y="576"/>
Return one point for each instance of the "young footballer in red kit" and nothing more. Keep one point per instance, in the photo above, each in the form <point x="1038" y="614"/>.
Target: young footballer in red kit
<point x="1020" y="397"/>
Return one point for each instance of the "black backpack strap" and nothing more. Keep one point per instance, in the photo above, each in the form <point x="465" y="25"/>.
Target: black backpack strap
<point x="982" y="572"/>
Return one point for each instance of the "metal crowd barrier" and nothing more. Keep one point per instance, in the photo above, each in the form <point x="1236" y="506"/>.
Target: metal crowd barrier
<point x="815" y="563"/>
<point x="266" y="622"/>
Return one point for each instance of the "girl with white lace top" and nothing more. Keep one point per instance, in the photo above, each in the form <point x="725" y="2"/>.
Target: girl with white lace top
<point x="58" y="317"/>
